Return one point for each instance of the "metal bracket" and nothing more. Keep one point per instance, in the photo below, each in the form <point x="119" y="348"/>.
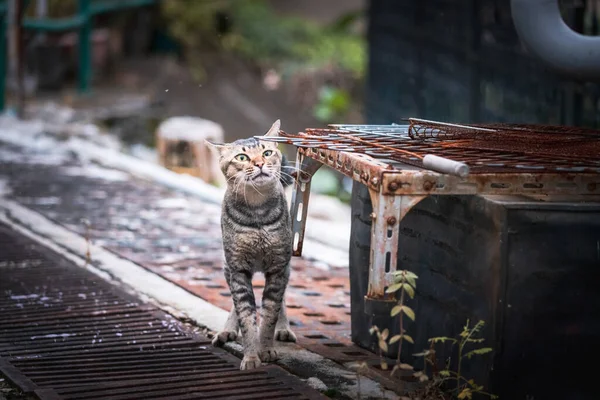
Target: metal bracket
<point x="306" y="167"/>
<point x="388" y="211"/>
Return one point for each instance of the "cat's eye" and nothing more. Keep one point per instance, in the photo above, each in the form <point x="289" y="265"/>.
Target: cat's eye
<point x="267" y="153"/>
<point x="242" y="157"/>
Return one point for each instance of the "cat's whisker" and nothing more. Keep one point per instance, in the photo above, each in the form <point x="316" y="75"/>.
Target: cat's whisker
<point x="240" y="181"/>
<point x="289" y="167"/>
<point x="255" y="188"/>
<point x="232" y="177"/>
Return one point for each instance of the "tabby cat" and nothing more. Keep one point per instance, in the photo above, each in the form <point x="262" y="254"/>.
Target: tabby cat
<point x="257" y="237"/>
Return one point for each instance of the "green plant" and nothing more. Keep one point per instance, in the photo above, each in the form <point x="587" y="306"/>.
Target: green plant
<point x="381" y="344"/>
<point x="465" y="343"/>
<point x="406" y="283"/>
<point x="464" y="388"/>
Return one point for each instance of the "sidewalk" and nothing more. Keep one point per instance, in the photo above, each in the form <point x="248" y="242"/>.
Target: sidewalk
<point x="176" y="236"/>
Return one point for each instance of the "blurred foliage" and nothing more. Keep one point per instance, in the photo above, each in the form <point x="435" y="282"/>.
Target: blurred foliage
<point x="332" y="58"/>
<point x="333" y="103"/>
<point x="260" y="35"/>
<point x="56" y="8"/>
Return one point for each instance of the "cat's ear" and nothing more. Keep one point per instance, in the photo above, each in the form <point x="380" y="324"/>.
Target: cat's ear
<point x="216" y="147"/>
<point x="274" y="131"/>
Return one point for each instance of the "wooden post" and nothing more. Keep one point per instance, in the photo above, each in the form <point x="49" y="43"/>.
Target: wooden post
<point x="181" y="147"/>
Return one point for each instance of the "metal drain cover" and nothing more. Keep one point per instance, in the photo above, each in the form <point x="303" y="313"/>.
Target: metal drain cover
<point x="67" y="334"/>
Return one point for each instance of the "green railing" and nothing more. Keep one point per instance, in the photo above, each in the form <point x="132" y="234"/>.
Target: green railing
<point x="82" y="22"/>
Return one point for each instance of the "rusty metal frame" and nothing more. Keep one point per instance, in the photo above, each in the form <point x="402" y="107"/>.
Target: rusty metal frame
<point x="306" y="167"/>
<point x="391" y="161"/>
<point x="394" y="191"/>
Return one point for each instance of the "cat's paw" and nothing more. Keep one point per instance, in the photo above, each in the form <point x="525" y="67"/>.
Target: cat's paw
<point x="268" y="355"/>
<point x="285" y="335"/>
<point x="250" y="361"/>
<point x="223" y="337"/>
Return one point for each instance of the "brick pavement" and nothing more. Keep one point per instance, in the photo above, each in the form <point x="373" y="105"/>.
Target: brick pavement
<point x="172" y="234"/>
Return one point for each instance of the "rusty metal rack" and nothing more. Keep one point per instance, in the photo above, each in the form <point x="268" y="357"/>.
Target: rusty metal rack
<point x="400" y="165"/>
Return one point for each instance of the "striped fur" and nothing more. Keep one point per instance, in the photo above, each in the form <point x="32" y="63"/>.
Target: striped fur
<point x="256" y="229"/>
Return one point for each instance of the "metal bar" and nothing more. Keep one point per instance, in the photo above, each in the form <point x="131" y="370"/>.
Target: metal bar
<point x="3" y="60"/>
<point x="85" y="52"/>
<point x="78" y="21"/>
<point x="305" y="169"/>
<point x="406" y="180"/>
<point x="489" y="148"/>
<point x="54" y="25"/>
<point x="20" y="43"/>
<point x="388" y="211"/>
<point x="105" y="6"/>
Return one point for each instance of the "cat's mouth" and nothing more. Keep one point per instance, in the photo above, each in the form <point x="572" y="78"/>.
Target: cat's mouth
<point x="260" y="175"/>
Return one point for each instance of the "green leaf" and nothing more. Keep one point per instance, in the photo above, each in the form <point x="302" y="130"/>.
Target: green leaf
<point x="383" y="346"/>
<point x="408" y="339"/>
<point x="409" y="312"/>
<point x="412" y="275"/>
<point x="471" y="340"/>
<point x="441" y="339"/>
<point x="406" y="367"/>
<point x="422" y="354"/>
<point x="395" y="338"/>
<point x="409" y="289"/>
<point x="384" y="365"/>
<point x="466" y="393"/>
<point x="404" y="272"/>
<point x="396" y="310"/>
<point x="483" y="350"/>
<point x="444" y="373"/>
<point x="395" y="287"/>
<point x="411" y="281"/>
<point x="385" y="334"/>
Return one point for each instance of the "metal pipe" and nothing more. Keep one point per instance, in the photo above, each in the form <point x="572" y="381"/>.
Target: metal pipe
<point x="20" y="44"/>
<point x="544" y="32"/>
<point x="85" y="44"/>
<point x="446" y="166"/>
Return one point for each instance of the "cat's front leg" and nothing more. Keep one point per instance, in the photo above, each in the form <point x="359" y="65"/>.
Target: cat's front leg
<point x="283" y="331"/>
<point x="240" y="285"/>
<point x="275" y="284"/>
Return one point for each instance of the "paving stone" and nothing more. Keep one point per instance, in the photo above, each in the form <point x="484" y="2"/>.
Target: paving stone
<point x="174" y="235"/>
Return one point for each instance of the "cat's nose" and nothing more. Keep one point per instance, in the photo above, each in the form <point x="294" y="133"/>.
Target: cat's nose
<point x="259" y="164"/>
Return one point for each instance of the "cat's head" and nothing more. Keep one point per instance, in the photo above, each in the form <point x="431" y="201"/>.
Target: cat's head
<point x="251" y="162"/>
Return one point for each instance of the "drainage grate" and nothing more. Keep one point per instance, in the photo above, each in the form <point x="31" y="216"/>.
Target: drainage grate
<point x="67" y="334"/>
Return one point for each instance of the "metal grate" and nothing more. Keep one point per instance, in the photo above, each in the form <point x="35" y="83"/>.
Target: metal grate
<point x="493" y="148"/>
<point x="67" y="334"/>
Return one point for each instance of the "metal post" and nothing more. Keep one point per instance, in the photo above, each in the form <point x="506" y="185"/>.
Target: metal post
<point x="388" y="211"/>
<point x="3" y="59"/>
<point x="306" y="168"/>
<point x="85" y="43"/>
<point x="20" y="43"/>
